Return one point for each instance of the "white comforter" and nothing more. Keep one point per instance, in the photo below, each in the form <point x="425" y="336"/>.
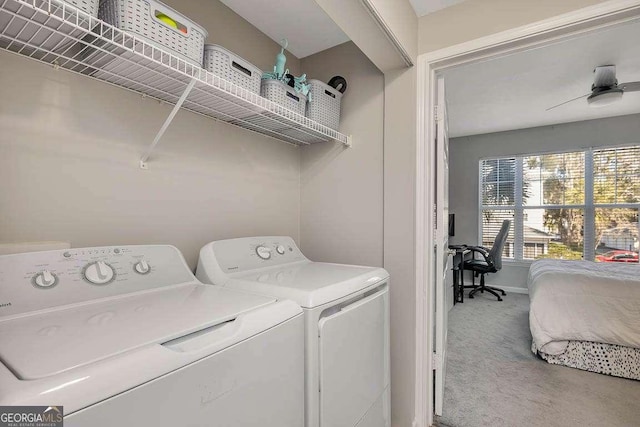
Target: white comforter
<point x="583" y="301"/>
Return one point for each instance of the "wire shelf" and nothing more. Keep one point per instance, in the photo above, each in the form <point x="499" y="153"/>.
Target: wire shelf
<point x="65" y="37"/>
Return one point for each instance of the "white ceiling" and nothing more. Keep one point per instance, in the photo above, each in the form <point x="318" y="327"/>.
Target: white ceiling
<point x="424" y="7"/>
<point x="306" y="26"/>
<point x="514" y="91"/>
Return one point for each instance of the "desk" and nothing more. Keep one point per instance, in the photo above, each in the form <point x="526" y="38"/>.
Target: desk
<point x="458" y="271"/>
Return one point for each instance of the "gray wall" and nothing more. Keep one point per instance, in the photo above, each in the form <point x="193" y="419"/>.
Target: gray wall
<point x="466" y="153"/>
<point x="400" y="94"/>
<point x="341" y="188"/>
<point x="70" y="147"/>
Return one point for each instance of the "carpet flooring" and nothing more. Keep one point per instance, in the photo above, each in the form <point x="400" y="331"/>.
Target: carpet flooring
<point x="493" y="379"/>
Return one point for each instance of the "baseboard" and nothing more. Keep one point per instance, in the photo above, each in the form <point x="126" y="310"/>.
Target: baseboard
<point x="511" y="289"/>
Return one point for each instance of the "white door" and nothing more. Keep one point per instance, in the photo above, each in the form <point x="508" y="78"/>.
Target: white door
<point x="441" y="234"/>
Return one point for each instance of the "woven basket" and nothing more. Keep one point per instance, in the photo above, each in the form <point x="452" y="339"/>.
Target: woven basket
<point x="232" y="68"/>
<point x="280" y="93"/>
<point x="142" y="17"/>
<point x="324" y="106"/>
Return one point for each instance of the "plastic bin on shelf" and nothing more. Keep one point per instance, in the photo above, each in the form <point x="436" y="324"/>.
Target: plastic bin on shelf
<point x="157" y="24"/>
<point x="232" y="68"/>
<point x="324" y="106"/>
<point x="280" y="93"/>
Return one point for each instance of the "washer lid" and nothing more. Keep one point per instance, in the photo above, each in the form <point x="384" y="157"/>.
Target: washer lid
<point x="50" y="342"/>
<point x="310" y="284"/>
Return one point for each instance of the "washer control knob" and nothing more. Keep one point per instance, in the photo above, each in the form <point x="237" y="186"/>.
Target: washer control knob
<point x="142" y="267"/>
<point x="99" y="273"/>
<point x="280" y="249"/>
<point x="263" y="252"/>
<point x="45" y="279"/>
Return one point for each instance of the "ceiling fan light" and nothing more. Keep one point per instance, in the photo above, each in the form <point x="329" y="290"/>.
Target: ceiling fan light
<point x="605" y="98"/>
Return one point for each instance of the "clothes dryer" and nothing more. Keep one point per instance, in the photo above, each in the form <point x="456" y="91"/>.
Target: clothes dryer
<point x="346" y="311"/>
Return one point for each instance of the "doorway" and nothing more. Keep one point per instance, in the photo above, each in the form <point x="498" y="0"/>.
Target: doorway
<point x="429" y="66"/>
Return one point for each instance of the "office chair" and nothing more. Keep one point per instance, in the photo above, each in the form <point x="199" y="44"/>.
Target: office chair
<point x="491" y="262"/>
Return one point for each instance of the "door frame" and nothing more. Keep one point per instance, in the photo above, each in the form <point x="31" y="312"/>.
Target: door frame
<point x="428" y="65"/>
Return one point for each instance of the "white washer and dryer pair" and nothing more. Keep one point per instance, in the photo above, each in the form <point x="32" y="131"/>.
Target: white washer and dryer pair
<point x="127" y="336"/>
<point x="346" y="311"/>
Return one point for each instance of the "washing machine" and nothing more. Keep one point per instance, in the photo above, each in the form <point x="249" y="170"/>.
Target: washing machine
<point x="346" y="310"/>
<point x="127" y="336"/>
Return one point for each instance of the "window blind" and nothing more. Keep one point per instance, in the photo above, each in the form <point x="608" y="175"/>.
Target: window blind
<point x="498" y="182"/>
<point x="570" y="205"/>
<point x="616" y="175"/>
<point x="553" y="179"/>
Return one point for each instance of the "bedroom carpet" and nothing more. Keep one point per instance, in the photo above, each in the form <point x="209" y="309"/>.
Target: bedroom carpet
<point x="493" y="379"/>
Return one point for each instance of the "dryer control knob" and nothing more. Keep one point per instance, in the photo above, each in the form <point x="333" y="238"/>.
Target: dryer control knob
<point x="45" y="279"/>
<point x="280" y="249"/>
<point x="263" y="252"/>
<point x="142" y="267"/>
<point x="99" y="273"/>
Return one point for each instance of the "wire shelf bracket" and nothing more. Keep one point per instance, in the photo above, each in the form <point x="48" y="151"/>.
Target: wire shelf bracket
<point x="165" y="125"/>
<point x="60" y="35"/>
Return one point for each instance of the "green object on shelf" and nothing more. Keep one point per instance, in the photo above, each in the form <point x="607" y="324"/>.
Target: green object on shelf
<point x="170" y="22"/>
<point x="281" y="59"/>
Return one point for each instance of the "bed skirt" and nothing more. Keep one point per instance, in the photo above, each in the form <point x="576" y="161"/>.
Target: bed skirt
<point x="609" y="359"/>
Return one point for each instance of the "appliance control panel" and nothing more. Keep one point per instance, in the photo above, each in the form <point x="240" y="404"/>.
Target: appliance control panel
<point x="40" y="280"/>
<point x="249" y="253"/>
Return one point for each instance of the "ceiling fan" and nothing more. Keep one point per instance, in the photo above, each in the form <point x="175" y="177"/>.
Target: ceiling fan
<point x="605" y="89"/>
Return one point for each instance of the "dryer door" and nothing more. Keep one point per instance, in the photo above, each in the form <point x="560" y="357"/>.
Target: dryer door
<point x="354" y="364"/>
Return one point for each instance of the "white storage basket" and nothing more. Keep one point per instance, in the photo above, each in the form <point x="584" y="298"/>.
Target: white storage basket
<point x="280" y="93"/>
<point x="51" y="36"/>
<point x="232" y="68"/>
<point x="324" y="106"/>
<point x="142" y="17"/>
<point x="88" y="6"/>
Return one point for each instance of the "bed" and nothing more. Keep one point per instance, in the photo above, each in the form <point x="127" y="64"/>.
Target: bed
<point x="586" y="315"/>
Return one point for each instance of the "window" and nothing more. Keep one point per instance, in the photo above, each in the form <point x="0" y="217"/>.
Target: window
<point x="575" y="205"/>
<point x="498" y="200"/>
